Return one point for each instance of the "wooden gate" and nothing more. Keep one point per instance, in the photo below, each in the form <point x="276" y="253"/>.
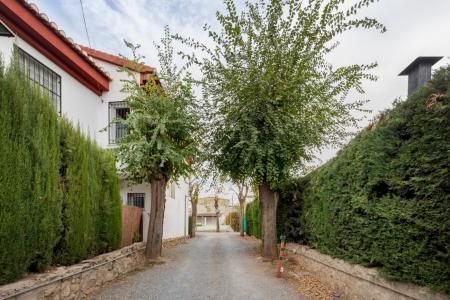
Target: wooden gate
<point x="131" y="224"/>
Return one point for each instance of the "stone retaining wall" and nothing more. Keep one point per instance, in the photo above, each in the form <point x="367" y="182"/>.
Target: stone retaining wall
<point x="355" y="281"/>
<point x="78" y="281"/>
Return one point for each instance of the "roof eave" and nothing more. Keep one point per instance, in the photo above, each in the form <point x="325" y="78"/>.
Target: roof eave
<point x="116" y="60"/>
<point x="35" y="29"/>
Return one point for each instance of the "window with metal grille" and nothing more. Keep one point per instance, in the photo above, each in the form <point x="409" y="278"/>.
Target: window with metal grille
<point x="4" y="31"/>
<point x="117" y="110"/>
<point x="48" y="81"/>
<point x="136" y="199"/>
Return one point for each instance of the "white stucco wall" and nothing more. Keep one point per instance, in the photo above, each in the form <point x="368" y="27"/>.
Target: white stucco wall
<point x="176" y="212"/>
<point x="84" y="108"/>
<point x="6" y="48"/>
<point x="78" y="104"/>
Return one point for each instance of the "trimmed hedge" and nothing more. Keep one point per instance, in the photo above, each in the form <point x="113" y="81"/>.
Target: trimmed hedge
<point x="384" y="200"/>
<point x="91" y="201"/>
<point x="30" y="205"/>
<point x="253" y="218"/>
<point x="59" y="193"/>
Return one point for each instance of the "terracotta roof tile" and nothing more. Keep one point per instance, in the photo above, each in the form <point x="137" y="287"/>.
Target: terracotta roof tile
<point x="116" y="60"/>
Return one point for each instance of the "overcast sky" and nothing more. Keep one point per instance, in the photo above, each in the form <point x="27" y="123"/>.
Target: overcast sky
<point x="415" y="28"/>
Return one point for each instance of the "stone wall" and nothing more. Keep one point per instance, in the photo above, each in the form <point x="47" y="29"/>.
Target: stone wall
<point x="78" y="281"/>
<point x="355" y="281"/>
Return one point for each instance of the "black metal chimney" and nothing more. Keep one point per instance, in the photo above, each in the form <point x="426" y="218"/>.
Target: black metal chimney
<point x="419" y="72"/>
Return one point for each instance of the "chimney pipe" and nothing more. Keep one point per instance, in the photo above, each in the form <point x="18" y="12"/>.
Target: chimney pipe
<point x="419" y="72"/>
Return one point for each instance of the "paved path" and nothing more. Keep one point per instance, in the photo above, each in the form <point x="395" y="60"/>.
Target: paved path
<point x="211" y="266"/>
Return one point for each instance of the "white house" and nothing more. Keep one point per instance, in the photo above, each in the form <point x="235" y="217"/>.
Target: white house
<point x="84" y="85"/>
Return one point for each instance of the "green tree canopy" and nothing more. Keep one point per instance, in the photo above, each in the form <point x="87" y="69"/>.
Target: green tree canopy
<point x="273" y="96"/>
<point x="162" y="123"/>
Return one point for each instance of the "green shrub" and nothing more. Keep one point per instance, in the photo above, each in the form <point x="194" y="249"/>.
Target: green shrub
<point x="253" y="218"/>
<point x="59" y="193"/>
<point x="136" y="237"/>
<point x="232" y="219"/>
<point x="384" y="200"/>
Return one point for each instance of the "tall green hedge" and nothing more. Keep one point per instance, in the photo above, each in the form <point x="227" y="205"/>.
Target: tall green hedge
<point x="384" y="200"/>
<point x="29" y="180"/>
<point x="253" y="218"/>
<point x="59" y="193"/>
<point x="91" y="201"/>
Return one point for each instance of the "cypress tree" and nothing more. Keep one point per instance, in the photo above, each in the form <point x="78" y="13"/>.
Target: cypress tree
<point x="59" y="192"/>
<point x="29" y="190"/>
<point x="91" y="208"/>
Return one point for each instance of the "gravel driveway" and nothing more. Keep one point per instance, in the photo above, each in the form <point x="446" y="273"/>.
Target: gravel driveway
<point x="210" y="266"/>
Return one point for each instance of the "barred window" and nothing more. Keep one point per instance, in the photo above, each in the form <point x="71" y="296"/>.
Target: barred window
<point x="136" y="199"/>
<point x="117" y="110"/>
<point x="48" y="81"/>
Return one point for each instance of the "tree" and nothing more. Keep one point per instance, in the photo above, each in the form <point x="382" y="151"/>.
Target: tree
<point x="273" y="97"/>
<point x="216" y="206"/>
<point x="160" y="138"/>
<point x="217" y="187"/>
<point x="242" y="192"/>
<point x="195" y="185"/>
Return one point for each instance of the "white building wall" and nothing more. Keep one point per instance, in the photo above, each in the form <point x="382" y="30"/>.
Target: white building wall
<point x="84" y="108"/>
<point x="6" y="48"/>
<point x="78" y="104"/>
<point x="176" y="212"/>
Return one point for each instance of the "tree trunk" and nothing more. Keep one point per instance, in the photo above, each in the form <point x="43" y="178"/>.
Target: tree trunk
<point x="194" y="220"/>
<point x="216" y="206"/>
<point x="268" y="203"/>
<point x="217" y="223"/>
<point x="155" y="226"/>
<point x="241" y="218"/>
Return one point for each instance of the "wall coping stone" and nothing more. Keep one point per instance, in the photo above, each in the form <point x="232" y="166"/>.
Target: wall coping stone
<point x="82" y="277"/>
<point x="360" y="273"/>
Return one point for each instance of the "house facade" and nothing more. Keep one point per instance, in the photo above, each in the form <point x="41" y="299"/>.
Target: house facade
<point x="206" y="212"/>
<point x="84" y="85"/>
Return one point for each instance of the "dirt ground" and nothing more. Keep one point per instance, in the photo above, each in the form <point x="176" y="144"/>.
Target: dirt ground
<point x="303" y="281"/>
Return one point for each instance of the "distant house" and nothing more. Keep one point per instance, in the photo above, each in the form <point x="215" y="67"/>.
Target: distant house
<point x="84" y="85"/>
<point x="206" y="212"/>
